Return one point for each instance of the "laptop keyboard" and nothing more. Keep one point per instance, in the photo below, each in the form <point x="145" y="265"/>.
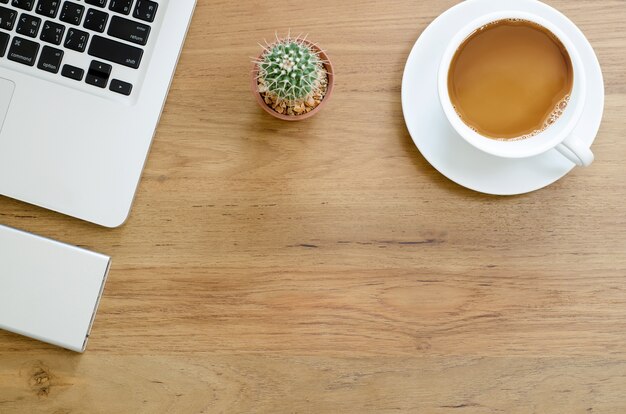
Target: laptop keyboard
<point x="100" y="43"/>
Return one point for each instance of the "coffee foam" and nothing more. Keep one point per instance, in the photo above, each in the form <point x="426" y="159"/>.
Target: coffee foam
<point x="461" y="117"/>
<point x="509" y="19"/>
<point x="556" y="113"/>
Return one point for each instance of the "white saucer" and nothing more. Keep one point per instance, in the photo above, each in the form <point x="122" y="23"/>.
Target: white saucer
<point x="444" y="149"/>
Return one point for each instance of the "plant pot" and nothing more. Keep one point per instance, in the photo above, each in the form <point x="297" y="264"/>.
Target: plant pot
<point x="329" y="89"/>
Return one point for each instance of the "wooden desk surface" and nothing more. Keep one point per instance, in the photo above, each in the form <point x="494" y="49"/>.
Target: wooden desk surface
<point x="325" y="267"/>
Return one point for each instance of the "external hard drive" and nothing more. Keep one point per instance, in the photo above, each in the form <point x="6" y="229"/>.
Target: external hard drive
<point x="49" y="291"/>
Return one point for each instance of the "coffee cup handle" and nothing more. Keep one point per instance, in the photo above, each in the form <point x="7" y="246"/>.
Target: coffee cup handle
<point x="575" y="150"/>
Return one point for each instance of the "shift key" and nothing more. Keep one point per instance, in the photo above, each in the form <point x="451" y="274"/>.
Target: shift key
<point x="115" y="52"/>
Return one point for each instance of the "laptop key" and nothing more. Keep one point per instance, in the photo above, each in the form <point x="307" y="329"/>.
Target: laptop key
<point x="95" y="20"/>
<point x="145" y="10"/>
<point x="72" y="72"/>
<point x="115" y="52"/>
<point x="129" y="30"/>
<point x="122" y="87"/>
<point x="98" y="74"/>
<point x="72" y="13"/>
<point x="76" y="40"/>
<point x="23" y="51"/>
<point x="23" y="4"/>
<point x="99" y="3"/>
<point x="121" y="6"/>
<point x="50" y="59"/>
<point x="52" y="32"/>
<point x="48" y="8"/>
<point x="28" y="25"/>
<point x="7" y="18"/>
<point x="4" y="42"/>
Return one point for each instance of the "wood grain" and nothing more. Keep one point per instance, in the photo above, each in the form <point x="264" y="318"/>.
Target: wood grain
<point x="324" y="266"/>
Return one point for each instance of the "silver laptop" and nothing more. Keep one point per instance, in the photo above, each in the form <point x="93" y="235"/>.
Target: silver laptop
<point x="82" y="86"/>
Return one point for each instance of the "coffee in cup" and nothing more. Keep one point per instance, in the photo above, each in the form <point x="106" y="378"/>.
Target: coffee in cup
<point x="510" y="79"/>
<point x="513" y="85"/>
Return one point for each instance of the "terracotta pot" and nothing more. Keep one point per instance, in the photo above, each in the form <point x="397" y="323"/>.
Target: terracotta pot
<point x="331" y="81"/>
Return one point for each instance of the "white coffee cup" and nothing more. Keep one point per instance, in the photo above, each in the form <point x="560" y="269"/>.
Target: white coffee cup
<point x="559" y="136"/>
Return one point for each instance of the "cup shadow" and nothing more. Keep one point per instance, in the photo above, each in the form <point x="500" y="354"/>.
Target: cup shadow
<point x="421" y="165"/>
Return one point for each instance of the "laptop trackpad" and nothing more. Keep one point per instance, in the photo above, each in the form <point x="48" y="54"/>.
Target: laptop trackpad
<point x="6" y="93"/>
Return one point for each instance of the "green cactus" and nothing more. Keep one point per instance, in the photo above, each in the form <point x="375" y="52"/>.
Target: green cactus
<point x="291" y="70"/>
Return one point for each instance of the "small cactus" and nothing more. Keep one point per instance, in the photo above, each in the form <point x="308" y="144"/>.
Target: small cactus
<point x="291" y="72"/>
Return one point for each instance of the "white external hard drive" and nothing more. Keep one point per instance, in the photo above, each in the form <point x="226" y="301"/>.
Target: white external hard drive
<point x="49" y="291"/>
